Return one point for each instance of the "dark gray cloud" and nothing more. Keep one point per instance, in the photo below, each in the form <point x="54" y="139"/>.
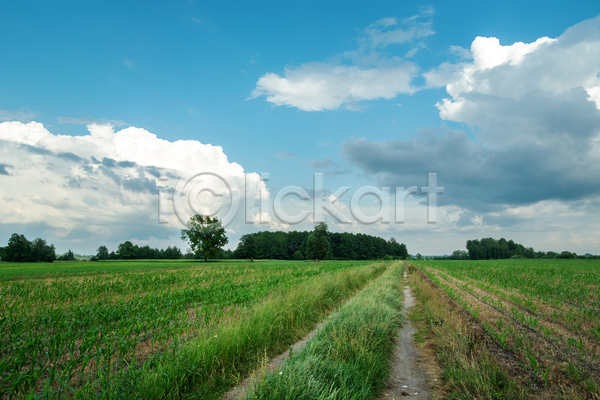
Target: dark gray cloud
<point x="35" y="150"/>
<point x="3" y="170"/>
<point x="71" y="157"/>
<point x="140" y="185"/>
<point x="126" y="164"/>
<point x="109" y="162"/>
<point x="476" y="176"/>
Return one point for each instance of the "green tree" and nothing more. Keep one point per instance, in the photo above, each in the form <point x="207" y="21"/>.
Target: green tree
<point x="318" y="245"/>
<point x="460" y="255"/>
<point x="68" y="256"/>
<point x="126" y="251"/>
<point x="298" y="255"/>
<point x="205" y="235"/>
<point x="403" y="252"/>
<point x="551" y="254"/>
<point x="567" y="254"/>
<point x="18" y="249"/>
<point x="102" y="253"/>
<point x="41" y="251"/>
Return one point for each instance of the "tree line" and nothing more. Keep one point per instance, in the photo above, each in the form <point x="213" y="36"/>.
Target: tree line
<point x="130" y="251"/>
<point x="207" y="238"/>
<point x="295" y="245"/>
<point x="494" y="249"/>
<point x="20" y="249"/>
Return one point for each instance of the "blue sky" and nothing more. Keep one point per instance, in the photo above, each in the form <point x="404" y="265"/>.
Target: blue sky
<point x="188" y="71"/>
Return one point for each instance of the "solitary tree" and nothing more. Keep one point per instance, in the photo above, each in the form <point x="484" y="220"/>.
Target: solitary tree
<point x="205" y="235"/>
<point x="318" y="244"/>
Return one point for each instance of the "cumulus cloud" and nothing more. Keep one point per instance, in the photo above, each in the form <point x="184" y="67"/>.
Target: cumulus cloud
<point x="324" y="86"/>
<point x="103" y="187"/>
<point x="367" y="73"/>
<point x="541" y="91"/>
<point x="535" y="140"/>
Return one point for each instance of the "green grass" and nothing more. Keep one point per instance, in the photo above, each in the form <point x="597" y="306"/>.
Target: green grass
<point x="18" y="270"/>
<point x="51" y="329"/>
<point x="208" y="366"/>
<point x="349" y="356"/>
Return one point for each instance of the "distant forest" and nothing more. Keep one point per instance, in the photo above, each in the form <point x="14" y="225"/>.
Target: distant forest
<point x="292" y="246"/>
<point x="284" y="246"/>
<point x="493" y="249"/>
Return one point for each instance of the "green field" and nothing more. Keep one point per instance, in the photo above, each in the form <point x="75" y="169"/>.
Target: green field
<point x="66" y="329"/>
<point x="543" y="316"/>
<point x="18" y="270"/>
<point x="516" y="329"/>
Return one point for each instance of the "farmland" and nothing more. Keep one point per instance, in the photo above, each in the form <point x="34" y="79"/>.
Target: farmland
<point x="182" y="329"/>
<point x="540" y="318"/>
<point x="79" y="333"/>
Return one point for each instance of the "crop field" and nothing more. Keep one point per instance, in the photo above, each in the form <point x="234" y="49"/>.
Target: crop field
<point x="72" y="334"/>
<point x="542" y="316"/>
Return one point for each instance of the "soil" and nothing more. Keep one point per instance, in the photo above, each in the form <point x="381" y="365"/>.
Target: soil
<point x="407" y="378"/>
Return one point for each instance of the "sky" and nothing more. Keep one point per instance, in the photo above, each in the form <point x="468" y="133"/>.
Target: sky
<point x="119" y="120"/>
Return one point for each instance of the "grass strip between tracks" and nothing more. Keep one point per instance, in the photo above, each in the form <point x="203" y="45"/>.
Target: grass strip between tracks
<point x="349" y="358"/>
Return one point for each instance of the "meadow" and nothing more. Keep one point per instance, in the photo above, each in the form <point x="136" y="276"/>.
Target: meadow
<point x="539" y="318"/>
<point x="83" y="329"/>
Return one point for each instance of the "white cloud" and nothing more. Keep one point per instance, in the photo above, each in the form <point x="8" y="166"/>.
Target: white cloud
<point x="323" y="86"/>
<point x="101" y="187"/>
<point x="544" y="86"/>
<point x="370" y="72"/>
